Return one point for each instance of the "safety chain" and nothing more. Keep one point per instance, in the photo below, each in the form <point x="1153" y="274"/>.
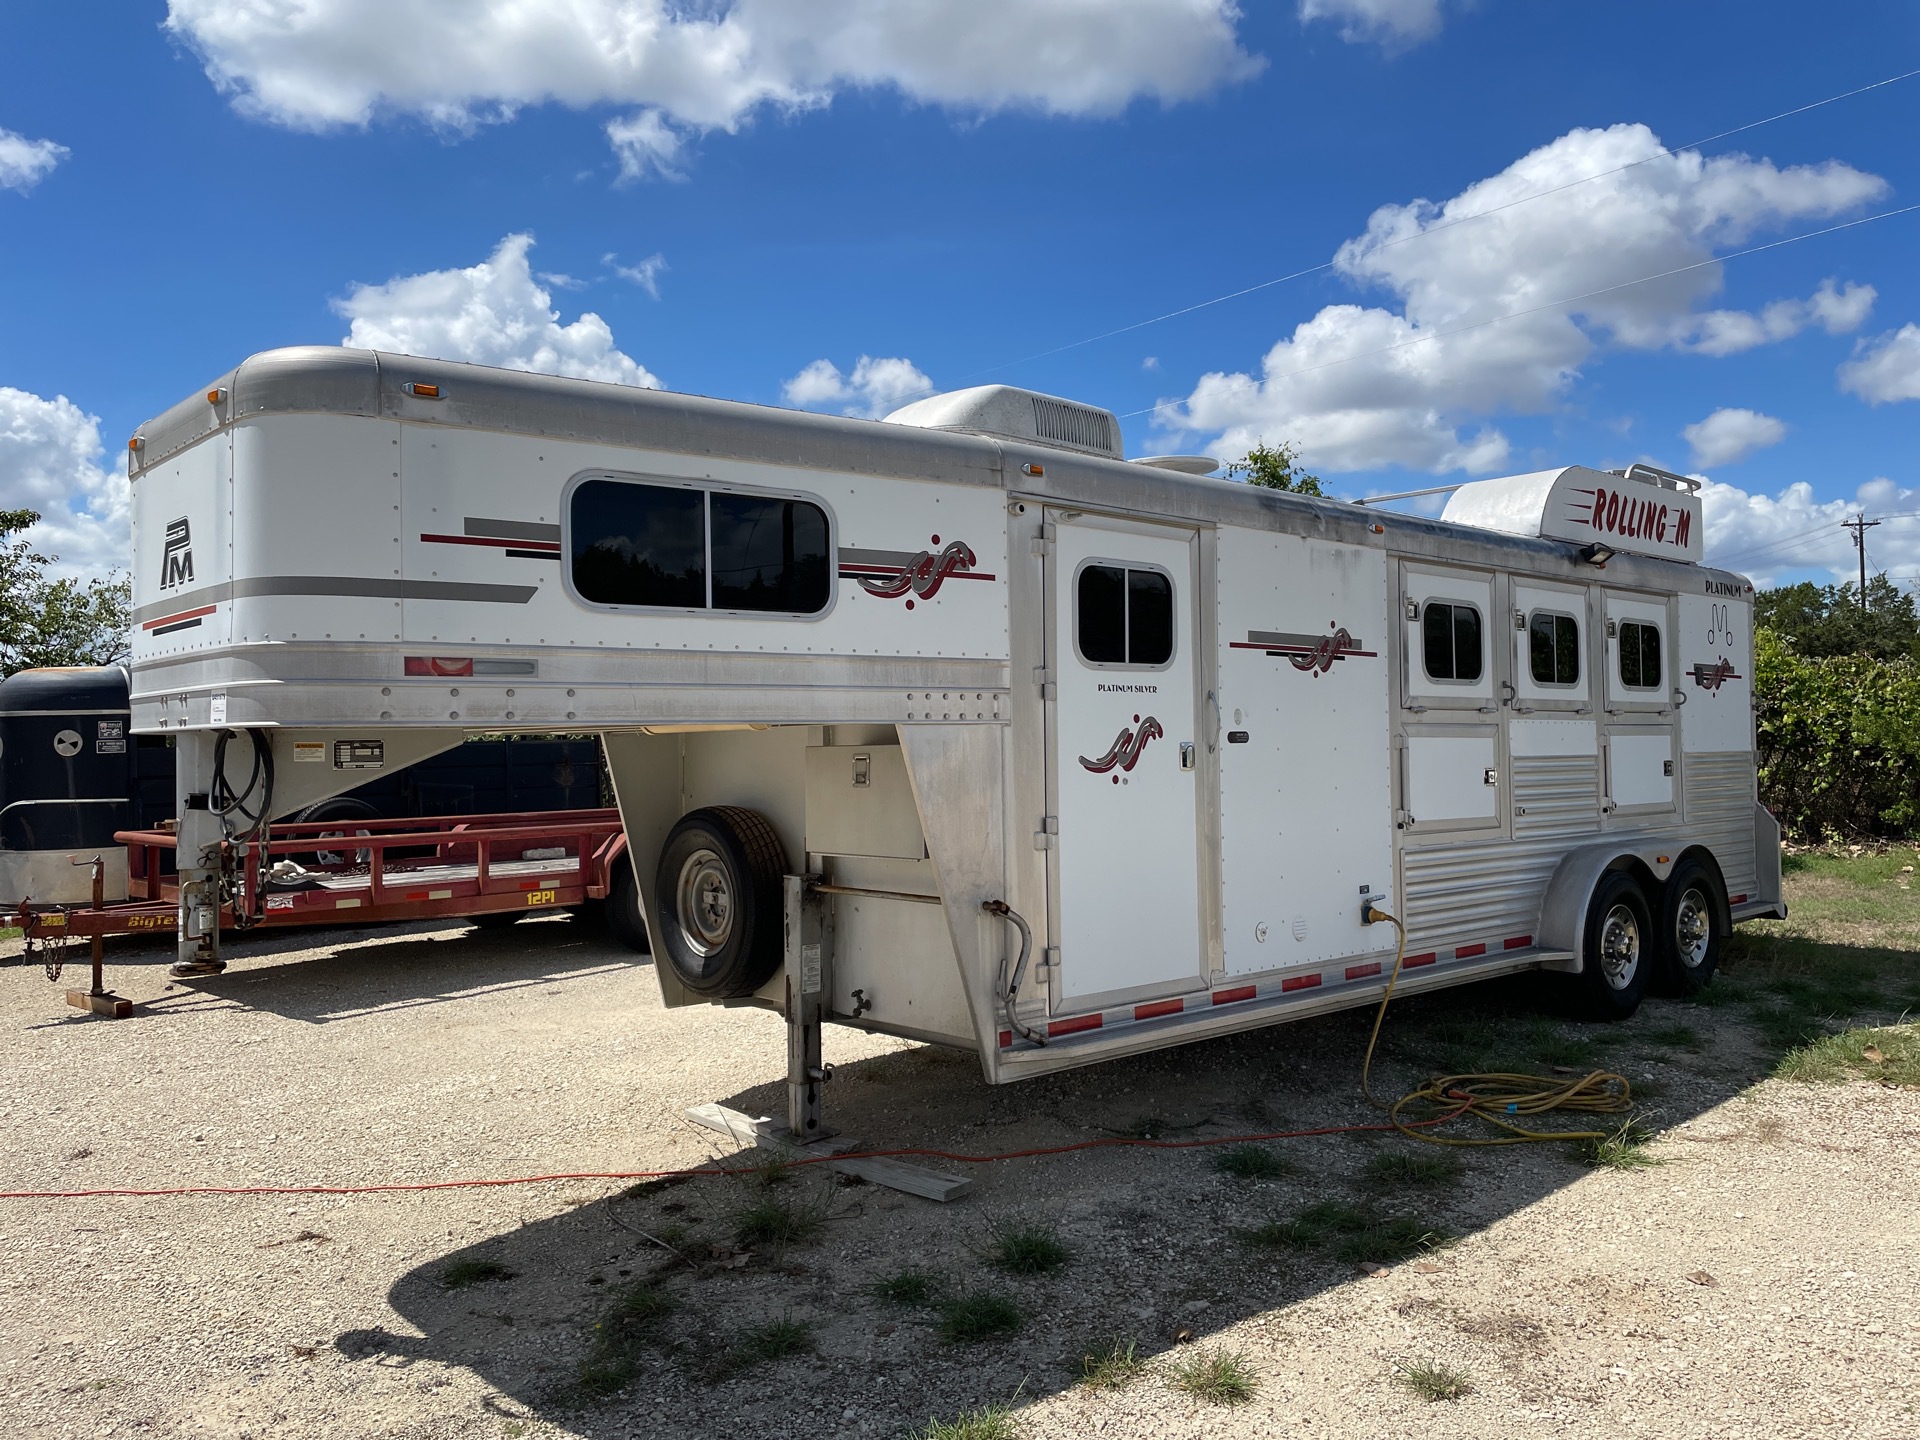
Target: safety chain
<point x="52" y="948"/>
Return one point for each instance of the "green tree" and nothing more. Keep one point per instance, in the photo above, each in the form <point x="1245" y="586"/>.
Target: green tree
<point x="1275" y="467"/>
<point x="1820" y="621"/>
<point x="56" y="621"/>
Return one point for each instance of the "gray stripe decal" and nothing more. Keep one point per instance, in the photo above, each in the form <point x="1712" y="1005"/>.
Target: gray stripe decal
<point x="338" y="585"/>
<point x="483" y="529"/>
<point x="900" y="558"/>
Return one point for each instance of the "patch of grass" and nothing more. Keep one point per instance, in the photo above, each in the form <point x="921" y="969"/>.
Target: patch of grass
<point x="1027" y="1249"/>
<point x="994" y="1422"/>
<point x="1675" y="1036"/>
<point x="1401" y="1169"/>
<point x="774" y="1172"/>
<point x="1221" y="1378"/>
<point x="761" y="1345"/>
<point x="1622" y="1149"/>
<point x="1433" y="1379"/>
<point x="1113" y="1368"/>
<point x="1785" y="1028"/>
<point x="1891" y="1054"/>
<point x="459" y="1274"/>
<point x="1348" y="1232"/>
<point x="627" y="1326"/>
<point x="978" y="1315"/>
<point x="1251" y="1162"/>
<point x="775" y="1221"/>
<point x="906" y="1287"/>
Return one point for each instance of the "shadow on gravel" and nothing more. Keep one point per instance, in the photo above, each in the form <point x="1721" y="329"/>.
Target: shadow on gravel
<point x="794" y="1302"/>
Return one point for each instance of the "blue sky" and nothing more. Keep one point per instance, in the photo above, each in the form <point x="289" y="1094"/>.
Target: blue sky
<point x="749" y="198"/>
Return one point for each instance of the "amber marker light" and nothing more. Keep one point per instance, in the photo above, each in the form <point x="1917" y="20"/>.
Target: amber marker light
<point x="216" y="395"/>
<point x="425" y="392"/>
<point x="1034" y="469"/>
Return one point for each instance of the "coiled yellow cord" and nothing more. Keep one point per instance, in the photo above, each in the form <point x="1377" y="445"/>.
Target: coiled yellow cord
<point x="1495" y="1098"/>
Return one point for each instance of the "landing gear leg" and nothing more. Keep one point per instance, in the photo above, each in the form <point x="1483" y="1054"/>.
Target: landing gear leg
<point x="198" y="856"/>
<point x="809" y="942"/>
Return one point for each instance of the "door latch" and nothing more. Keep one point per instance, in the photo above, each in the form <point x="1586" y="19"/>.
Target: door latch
<point x="1186" y="755"/>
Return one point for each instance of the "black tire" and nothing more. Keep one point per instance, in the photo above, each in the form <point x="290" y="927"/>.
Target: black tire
<point x="1692" y="927"/>
<point x="345" y="809"/>
<point x="1619" y="948"/>
<point x="718" y="893"/>
<point x="625" y="913"/>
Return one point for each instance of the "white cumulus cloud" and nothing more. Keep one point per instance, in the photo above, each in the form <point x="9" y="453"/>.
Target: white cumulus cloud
<point x="875" y="388"/>
<point x="1885" y="368"/>
<point x="50" y="462"/>
<point x="683" y="68"/>
<point x="1392" y="24"/>
<point x="1727" y="332"/>
<point x="1770" y="537"/>
<point x="645" y="274"/>
<point x="25" y="163"/>
<point x="1415" y="384"/>
<point x="1727" y="437"/>
<point x="493" y="313"/>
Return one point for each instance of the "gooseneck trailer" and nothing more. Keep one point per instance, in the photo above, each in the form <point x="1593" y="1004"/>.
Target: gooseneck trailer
<point x="959" y="725"/>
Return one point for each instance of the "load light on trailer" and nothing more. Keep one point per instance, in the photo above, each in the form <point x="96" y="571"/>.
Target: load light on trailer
<point x="438" y="665"/>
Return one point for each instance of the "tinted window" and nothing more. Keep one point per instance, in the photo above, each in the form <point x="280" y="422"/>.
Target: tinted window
<point x="769" y="554"/>
<point x="1450" y="641"/>
<point x="1639" y="655"/>
<point x="1124" y="617"/>
<point x="1553" y="645"/>
<point x="1149" y="618"/>
<point x="636" y="544"/>
<point x="639" y="544"/>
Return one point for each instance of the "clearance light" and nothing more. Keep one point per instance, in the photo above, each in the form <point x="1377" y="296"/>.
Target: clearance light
<point x="425" y="392"/>
<point x="438" y="665"/>
<point x="1034" y="469"/>
<point x="216" y="395"/>
<point x="136" y="443"/>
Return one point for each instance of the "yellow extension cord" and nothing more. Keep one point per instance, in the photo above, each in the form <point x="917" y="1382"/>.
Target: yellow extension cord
<point x="1494" y="1098"/>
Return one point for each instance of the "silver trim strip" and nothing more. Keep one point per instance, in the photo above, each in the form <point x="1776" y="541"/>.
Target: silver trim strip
<point x="483" y="529"/>
<point x="338" y="585"/>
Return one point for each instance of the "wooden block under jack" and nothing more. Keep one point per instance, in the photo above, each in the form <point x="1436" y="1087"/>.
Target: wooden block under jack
<point x="769" y="1134"/>
<point x="107" y="1004"/>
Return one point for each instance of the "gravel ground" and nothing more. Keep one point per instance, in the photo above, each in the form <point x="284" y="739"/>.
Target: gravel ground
<point x="1760" y="1281"/>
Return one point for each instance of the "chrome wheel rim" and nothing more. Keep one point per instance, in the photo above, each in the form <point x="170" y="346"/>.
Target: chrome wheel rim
<point x="1692" y="929"/>
<point x="704" y="900"/>
<point x="1620" y="946"/>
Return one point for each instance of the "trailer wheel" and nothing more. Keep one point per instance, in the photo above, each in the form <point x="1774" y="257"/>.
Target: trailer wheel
<point x="625" y="913"/>
<point x="719" y="894"/>
<point x="1691" y="928"/>
<point x="346" y="808"/>
<point x="1619" y="947"/>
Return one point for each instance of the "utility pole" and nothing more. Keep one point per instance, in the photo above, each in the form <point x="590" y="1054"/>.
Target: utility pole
<point x="1859" y="525"/>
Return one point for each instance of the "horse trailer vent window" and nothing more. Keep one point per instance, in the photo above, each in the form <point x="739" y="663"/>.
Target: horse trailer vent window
<point x="1553" y="645"/>
<point x="1450" y="636"/>
<point x="674" y="547"/>
<point x="1124" y="616"/>
<point x="1639" y="655"/>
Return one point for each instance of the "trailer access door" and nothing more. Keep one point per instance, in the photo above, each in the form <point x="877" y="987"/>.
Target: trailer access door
<point x="1124" y="858"/>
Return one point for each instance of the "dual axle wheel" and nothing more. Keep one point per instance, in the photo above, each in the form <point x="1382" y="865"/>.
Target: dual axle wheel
<point x="1629" y="949"/>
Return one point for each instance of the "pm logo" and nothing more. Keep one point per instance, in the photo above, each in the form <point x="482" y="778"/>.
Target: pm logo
<point x="176" y="561"/>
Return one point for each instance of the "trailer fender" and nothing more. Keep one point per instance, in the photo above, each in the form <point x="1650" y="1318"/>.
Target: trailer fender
<point x="1563" y="909"/>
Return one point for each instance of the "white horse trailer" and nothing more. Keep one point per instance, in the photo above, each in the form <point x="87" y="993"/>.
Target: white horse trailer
<point x="884" y="701"/>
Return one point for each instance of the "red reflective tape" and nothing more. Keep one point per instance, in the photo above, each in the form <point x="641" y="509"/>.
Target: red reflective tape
<point x="550" y="546"/>
<point x="1299" y="982"/>
<point x="1227" y="997"/>
<point x="1416" y="960"/>
<point x="1518" y="942"/>
<point x="1153" y="1009"/>
<point x="416" y="895"/>
<point x="208" y="610"/>
<point x="1468" y="952"/>
<point x="1738" y="900"/>
<point x="431" y="665"/>
<point x="1074" y="1025"/>
<point x="1006" y="1039"/>
<point x="1360" y="972"/>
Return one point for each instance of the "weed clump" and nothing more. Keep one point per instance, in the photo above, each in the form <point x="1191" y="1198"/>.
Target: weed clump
<point x="994" y="1422"/>
<point x="1222" y="1378"/>
<point x="774" y="1221"/>
<point x="1113" y="1368"/>
<point x="979" y="1315"/>
<point x="1027" y="1249"/>
<point x="760" y="1345"/>
<point x="1347" y="1232"/>
<point x="1891" y="1055"/>
<point x="1622" y="1149"/>
<point x="1400" y="1169"/>
<point x="1251" y="1162"/>
<point x="1433" y="1379"/>
<point x="906" y="1287"/>
<point x="625" y="1328"/>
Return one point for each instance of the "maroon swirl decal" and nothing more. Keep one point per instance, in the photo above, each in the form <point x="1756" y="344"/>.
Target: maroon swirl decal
<point x="1322" y="655"/>
<point x="1126" y="747"/>
<point x="1712" y="677"/>
<point x="924" y="573"/>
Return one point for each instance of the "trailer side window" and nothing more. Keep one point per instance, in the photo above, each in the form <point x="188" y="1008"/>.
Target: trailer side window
<point x="1639" y="655"/>
<point x="1124" y="616"/>
<point x="669" y="546"/>
<point x="1450" y="641"/>
<point x="1553" y="645"/>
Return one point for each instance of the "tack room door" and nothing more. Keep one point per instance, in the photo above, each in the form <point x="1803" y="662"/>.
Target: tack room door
<point x="1121" y="733"/>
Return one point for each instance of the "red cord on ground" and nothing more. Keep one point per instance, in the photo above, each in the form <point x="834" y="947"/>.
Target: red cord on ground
<point x="913" y="1152"/>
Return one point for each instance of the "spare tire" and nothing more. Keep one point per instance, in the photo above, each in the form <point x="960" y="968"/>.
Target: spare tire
<point x="719" y="898"/>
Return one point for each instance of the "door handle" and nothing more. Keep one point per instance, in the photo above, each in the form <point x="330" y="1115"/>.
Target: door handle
<point x="1186" y="755"/>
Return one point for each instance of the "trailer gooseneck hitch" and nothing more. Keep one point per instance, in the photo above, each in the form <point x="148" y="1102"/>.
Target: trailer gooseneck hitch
<point x="1010" y="988"/>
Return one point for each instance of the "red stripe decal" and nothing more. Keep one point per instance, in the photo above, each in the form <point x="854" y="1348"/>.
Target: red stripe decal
<point x="1738" y="900"/>
<point x="1228" y="997"/>
<point x="1468" y="952"/>
<point x="551" y="547"/>
<point x="1006" y="1039"/>
<point x="1293" y="649"/>
<point x="1156" y="1008"/>
<point x="1518" y="942"/>
<point x="1413" y="961"/>
<point x="1073" y="1026"/>
<point x="1360" y="972"/>
<point x="1299" y="982"/>
<point x="209" y="609"/>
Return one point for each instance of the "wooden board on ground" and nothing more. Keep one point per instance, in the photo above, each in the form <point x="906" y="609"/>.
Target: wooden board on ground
<point x="769" y="1134"/>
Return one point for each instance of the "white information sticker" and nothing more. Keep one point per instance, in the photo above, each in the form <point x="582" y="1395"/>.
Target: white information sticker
<point x="217" y="711"/>
<point x="311" y="751"/>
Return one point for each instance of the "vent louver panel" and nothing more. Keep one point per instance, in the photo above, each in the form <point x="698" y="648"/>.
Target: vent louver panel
<point x="1066" y="424"/>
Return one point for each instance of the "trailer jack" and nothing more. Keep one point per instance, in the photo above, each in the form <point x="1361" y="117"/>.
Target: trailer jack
<point x="97" y="999"/>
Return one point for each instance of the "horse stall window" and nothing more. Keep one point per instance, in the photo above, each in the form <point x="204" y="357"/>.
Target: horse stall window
<point x="1450" y="641"/>
<point x="769" y="554"/>
<point x="1124" y="616"/>
<point x="1553" y="648"/>
<point x="1639" y="655"/>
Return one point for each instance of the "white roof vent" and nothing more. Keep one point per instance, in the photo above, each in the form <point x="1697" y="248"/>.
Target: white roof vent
<point x="1014" y="414"/>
